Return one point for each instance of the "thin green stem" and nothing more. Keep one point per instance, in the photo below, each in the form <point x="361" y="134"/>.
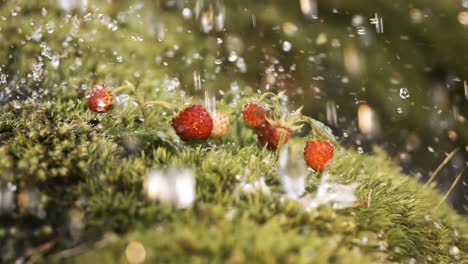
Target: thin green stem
<point x="126" y="86"/>
<point x="162" y="103"/>
<point x="312" y="126"/>
<point x="273" y="95"/>
<point x="451" y="188"/>
<point x="439" y="168"/>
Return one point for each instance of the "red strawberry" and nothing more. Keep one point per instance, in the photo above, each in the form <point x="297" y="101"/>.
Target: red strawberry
<point x="193" y="123"/>
<point x="253" y="114"/>
<point x="100" y="98"/>
<point x="220" y="125"/>
<point x="318" y="154"/>
<point x="271" y="134"/>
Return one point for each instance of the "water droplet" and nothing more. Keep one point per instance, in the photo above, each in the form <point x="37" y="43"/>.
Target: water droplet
<point x="55" y="61"/>
<point x="112" y="26"/>
<point x="137" y="38"/>
<point x="232" y="56"/>
<point x="399" y="110"/>
<point x="404" y="93"/>
<point x="331" y="112"/>
<point x="241" y="65"/>
<point x="171" y="84"/>
<point x="210" y="14"/>
<point x="50" y="27"/>
<point x="368" y="121"/>
<point x="7" y="198"/>
<point x="287" y="46"/>
<point x="187" y="13"/>
<point x="309" y="9"/>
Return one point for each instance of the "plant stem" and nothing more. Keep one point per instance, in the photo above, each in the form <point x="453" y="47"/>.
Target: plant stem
<point x="162" y="103"/>
<point x="126" y="86"/>
<point x="439" y="168"/>
<point x="451" y="188"/>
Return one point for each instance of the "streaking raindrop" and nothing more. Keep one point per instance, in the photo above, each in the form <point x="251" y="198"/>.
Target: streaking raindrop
<point x="210" y="15"/>
<point x="309" y="9"/>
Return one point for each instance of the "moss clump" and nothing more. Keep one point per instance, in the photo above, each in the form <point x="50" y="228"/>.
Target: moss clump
<point x="85" y="171"/>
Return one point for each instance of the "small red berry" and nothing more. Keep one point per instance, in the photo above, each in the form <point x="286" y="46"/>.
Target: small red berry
<point x="193" y="123"/>
<point x="271" y="134"/>
<point x="100" y="98"/>
<point x="318" y="154"/>
<point x="253" y="114"/>
<point x="220" y="125"/>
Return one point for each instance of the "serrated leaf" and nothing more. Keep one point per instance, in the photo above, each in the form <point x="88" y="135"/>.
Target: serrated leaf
<point x="323" y="130"/>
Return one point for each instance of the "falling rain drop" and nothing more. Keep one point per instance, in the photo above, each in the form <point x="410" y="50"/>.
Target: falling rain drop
<point x="112" y="26"/>
<point x="292" y="172"/>
<point x="6" y="197"/>
<point x="331" y="112"/>
<point x="368" y="121"/>
<point x="352" y="60"/>
<point x="187" y="13"/>
<point x="210" y="15"/>
<point x="287" y="46"/>
<point x="172" y="186"/>
<point x="309" y="9"/>
<point x="404" y="93"/>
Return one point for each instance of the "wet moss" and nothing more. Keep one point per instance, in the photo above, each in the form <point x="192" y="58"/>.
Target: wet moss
<point x="90" y="168"/>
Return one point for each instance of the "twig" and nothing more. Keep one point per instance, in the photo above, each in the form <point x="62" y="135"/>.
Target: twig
<point x="40" y="250"/>
<point x="80" y="249"/>
<point x="439" y="168"/>
<point x="369" y="198"/>
<point x="451" y="188"/>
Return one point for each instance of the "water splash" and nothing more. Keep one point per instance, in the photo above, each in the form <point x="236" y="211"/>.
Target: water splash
<point x="337" y="195"/>
<point x="172" y="186"/>
<point x="253" y="187"/>
<point x="292" y="172"/>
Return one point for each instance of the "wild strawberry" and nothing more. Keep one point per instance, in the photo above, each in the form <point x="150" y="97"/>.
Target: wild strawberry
<point x="193" y="123"/>
<point x="100" y="98"/>
<point x="220" y="125"/>
<point x="318" y="154"/>
<point x="271" y="134"/>
<point x="254" y="115"/>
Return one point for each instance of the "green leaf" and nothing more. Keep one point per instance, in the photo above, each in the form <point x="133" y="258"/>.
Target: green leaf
<point x="320" y="128"/>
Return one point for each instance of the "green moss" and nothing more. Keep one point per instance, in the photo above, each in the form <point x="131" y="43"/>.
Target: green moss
<point x="94" y="165"/>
